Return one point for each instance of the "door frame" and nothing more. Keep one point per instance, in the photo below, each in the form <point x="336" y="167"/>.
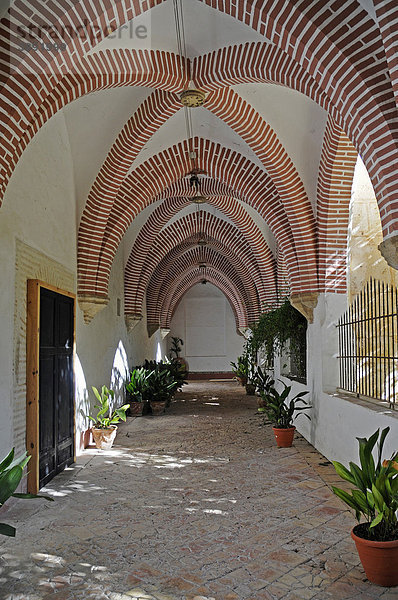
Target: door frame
<point x="32" y="376"/>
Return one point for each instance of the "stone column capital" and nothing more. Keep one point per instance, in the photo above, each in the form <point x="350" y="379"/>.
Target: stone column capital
<point x="91" y="305"/>
<point x="305" y="302"/>
<point x="131" y="320"/>
<point x="389" y="251"/>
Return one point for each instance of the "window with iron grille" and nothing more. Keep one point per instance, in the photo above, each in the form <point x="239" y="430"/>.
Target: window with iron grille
<point x="368" y="347"/>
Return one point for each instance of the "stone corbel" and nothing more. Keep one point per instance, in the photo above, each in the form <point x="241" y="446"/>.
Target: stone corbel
<point x="132" y="320"/>
<point x="243" y="331"/>
<point x="389" y="251"/>
<point x="91" y="305"/>
<point x="151" y="328"/>
<point x="305" y="302"/>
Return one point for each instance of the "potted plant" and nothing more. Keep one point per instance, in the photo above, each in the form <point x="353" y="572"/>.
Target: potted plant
<point x="175" y="349"/>
<point x="104" y="429"/>
<point x="137" y="389"/>
<point x="282" y="412"/>
<point x="264" y="384"/>
<point x="11" y="473"/>
<point x="375" y="498"/>
<point x="240" y="369"/>
<point x="161" y="389"/>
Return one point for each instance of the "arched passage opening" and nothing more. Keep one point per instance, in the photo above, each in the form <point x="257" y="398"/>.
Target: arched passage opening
<point x="204" y="320"/>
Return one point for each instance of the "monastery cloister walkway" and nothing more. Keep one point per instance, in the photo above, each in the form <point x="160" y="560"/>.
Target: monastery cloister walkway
<point x="196" y="504"/>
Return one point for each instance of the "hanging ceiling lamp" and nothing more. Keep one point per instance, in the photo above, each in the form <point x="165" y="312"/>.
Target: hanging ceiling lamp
<point x="192" y="98"/>
<point x="199" y="199"/>
<point x="202" y="241"/>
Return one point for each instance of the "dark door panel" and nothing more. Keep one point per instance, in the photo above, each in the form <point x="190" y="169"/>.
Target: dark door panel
<point x="56" y="405"/>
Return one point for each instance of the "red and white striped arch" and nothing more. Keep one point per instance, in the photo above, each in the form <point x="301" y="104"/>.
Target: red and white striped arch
<point x="172" y="296"/>
<point x="145" y="240"/>
<point x="336" y="173"/>
<point x="141" y="187"/>
<point x="181" y="236"/>
<point x="187" y="256"/>
<point x="366" y="110"/>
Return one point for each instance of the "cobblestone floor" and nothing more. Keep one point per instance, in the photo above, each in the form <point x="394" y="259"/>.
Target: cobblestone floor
<point x="197" y="504"/>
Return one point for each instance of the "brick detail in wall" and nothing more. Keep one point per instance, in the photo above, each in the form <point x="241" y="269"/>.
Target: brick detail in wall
<point x="362" y="103"/>
<point x="336" y="173"/>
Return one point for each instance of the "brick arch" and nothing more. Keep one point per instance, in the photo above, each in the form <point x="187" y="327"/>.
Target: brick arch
<point x="369" y="116"/>
<point x="238" y="114"/>
<point x="161" y="216"/>
<point x="310" y="36"/>
<point x="141" y="188"/>
<point x="336" y="172"/>
<point x="135" y="68"/>
<point x="187" y="256"/>
<point x="179" y="288"/>
<point x="181" y="236"/>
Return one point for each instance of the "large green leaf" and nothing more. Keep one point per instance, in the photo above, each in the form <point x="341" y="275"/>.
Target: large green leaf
<point x="7" y="530"/>
<point x="9" y="482"/>
<point x="360" y="480"/>
<point x="378" y="498"/>
<point x="7" y="461"/>
<point x="32" y="496"/>
<point x="343" y="472"/>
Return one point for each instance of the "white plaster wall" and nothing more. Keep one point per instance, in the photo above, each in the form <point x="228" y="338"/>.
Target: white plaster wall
<point x="210" y="338"/>
<point x="336" y="420"/>
<point x="40" y="210"/>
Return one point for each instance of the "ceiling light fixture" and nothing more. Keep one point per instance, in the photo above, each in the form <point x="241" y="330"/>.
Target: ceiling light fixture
<point x="192" y="98"/>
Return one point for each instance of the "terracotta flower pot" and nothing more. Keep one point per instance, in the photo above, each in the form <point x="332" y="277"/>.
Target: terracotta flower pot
<point x="158" y="408"/>
<point x="104" y="438"/>
<point x="379" y="560"/>
<point x="250" y="389"/>
<point x="136" y="409"/>
<point x="284" y="436"/>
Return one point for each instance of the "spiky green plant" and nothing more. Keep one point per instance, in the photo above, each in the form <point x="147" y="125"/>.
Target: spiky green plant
<point x="101" y="420"/>
<point x="375" y="496"/>
<point x="11" y="473"/>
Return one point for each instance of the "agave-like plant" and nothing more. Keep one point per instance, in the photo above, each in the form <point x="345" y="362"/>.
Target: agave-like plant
<point x="280" y="410"/>
<point x="105" y="418"/>
<point x="376" y="494"/>
<point x="11" y="473"/>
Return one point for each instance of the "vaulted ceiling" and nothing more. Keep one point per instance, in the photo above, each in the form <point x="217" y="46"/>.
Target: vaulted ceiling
<point x="294" y="89"/>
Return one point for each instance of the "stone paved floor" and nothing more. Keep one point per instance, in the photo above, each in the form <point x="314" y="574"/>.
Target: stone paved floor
<point x="197" y="504"/>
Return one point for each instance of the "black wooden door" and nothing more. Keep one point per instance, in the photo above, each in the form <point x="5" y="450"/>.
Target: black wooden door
<point x="56" y="405"/>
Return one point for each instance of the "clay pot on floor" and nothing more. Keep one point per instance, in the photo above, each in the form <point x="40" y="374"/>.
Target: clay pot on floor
<point x="136" y="409"/>
<point x="284" y="436"/>
<point x="104" y="438"/>
<point x="250" y="389"/>
<point x="379" y="559"/>
<point x="158" y="408"/>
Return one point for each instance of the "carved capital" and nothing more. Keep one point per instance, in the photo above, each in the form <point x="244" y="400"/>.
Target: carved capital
<point x="305" y="302"/>
<point x="243" y="331"/>
<point x="132" y="320"/>
<point x="164" y="332"/>
<point x="151" y="328"/>
<point x="389" y="251"/>
<point x="91" y="305"/>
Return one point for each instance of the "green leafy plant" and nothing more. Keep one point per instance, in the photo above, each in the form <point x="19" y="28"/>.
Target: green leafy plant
<point x="375" y="496"/>
<point x="264" y="382"/>
<point x="162" y="385"/>
<point x="105" y="418"/>
<point x="175" y="349"/>
<point x="11" y="473"/>
<point x="275" y="326"/>
<point x="280" y="410"/>
<point x="241" y="368"/>
<point x="139" y="384"/>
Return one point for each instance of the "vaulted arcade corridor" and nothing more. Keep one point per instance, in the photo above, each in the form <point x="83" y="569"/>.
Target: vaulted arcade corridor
<point x="187" y="170"/>
<point x="199" y="504"/>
